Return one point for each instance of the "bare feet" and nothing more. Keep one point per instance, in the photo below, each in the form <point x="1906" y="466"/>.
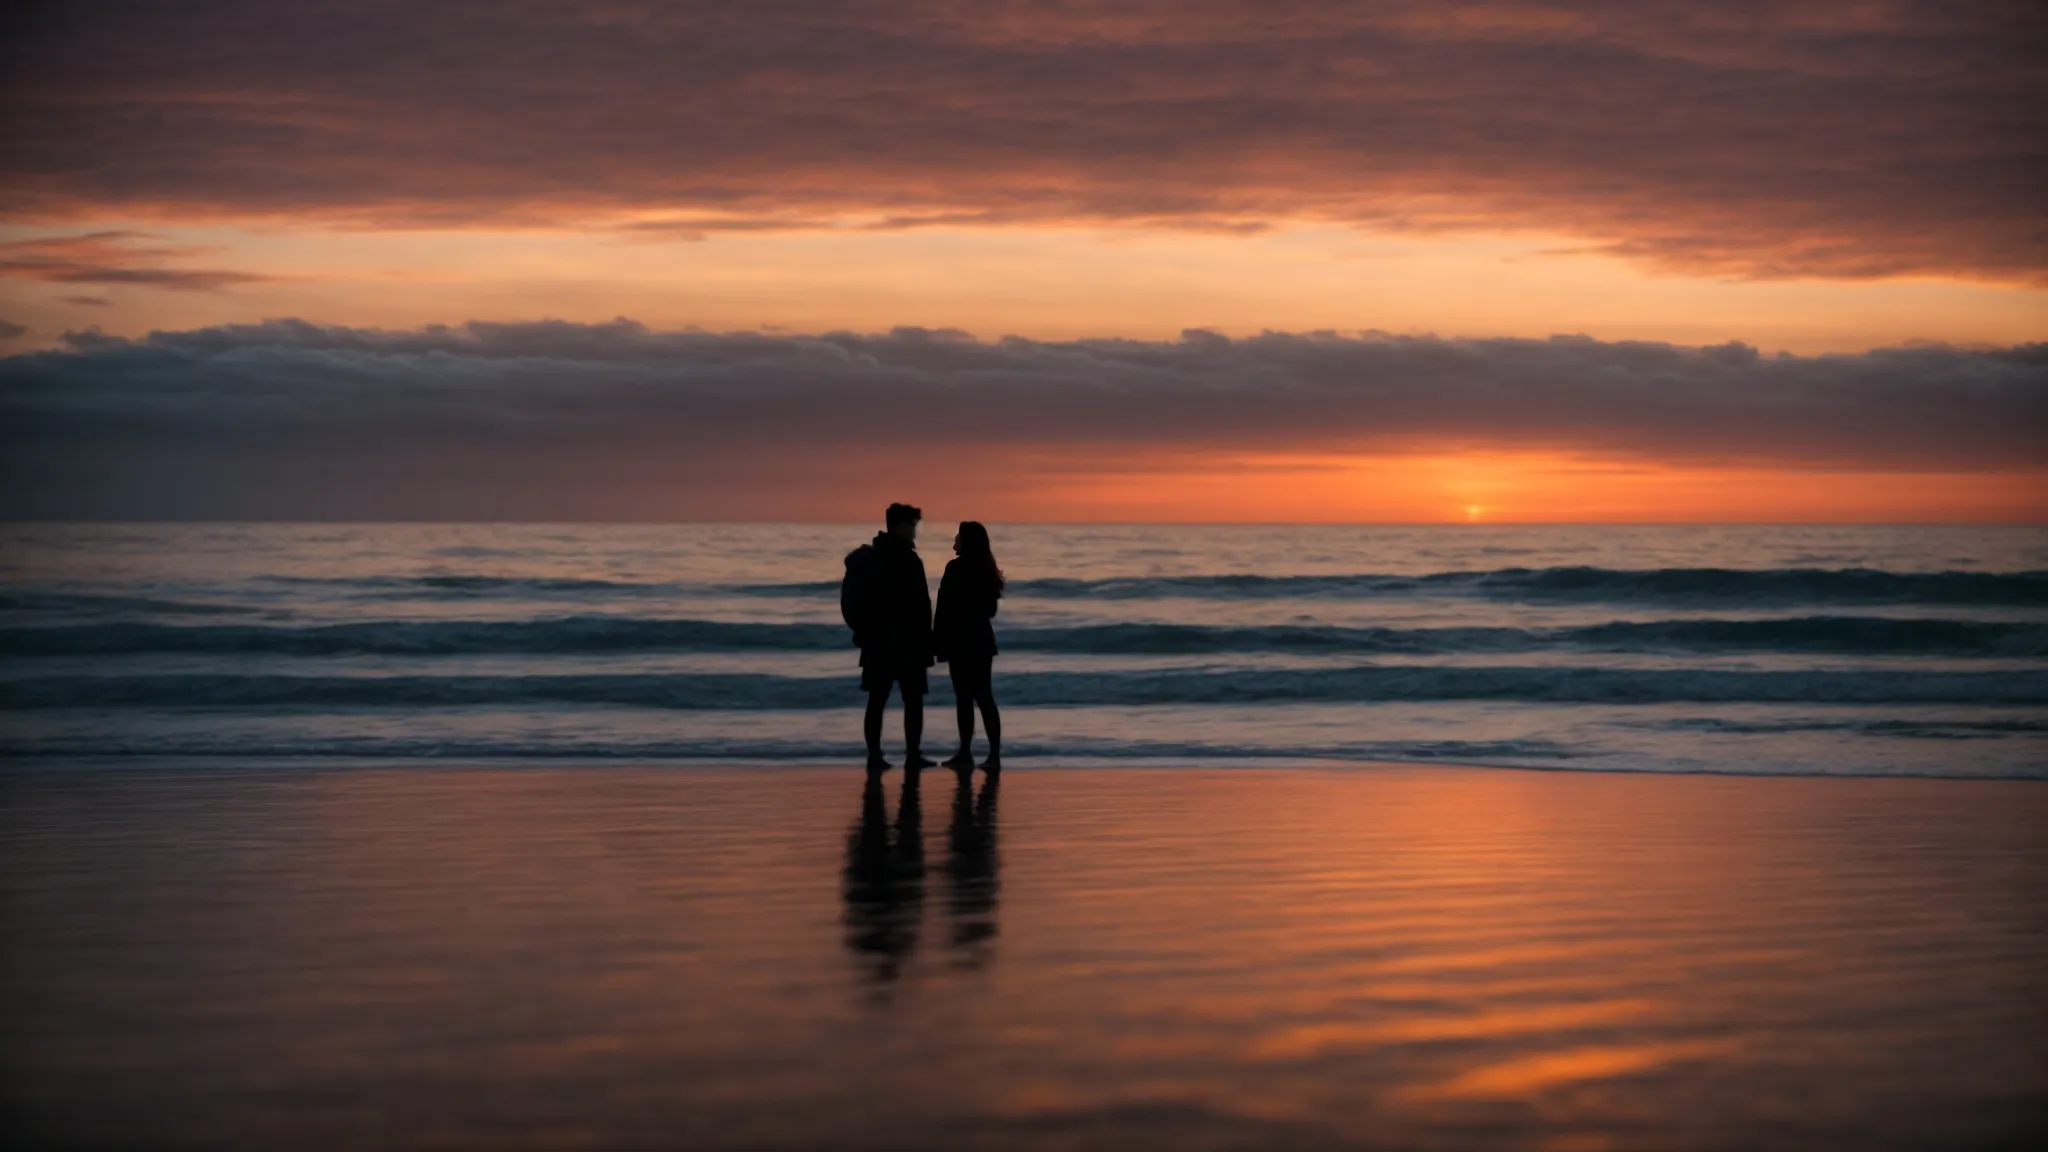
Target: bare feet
<point x="993" y="764"/>
<point x="962" y="760"/>
<point x="916" y="760"/>
<point x="877" y="763"/>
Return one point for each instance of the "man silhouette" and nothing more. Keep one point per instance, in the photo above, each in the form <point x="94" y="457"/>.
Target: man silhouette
<point x="887" y="603"/>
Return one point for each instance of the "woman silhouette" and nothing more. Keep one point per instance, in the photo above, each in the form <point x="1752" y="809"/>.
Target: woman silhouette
<point x="965" y="641"/>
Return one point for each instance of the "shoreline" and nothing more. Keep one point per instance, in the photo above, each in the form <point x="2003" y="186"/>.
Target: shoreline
<point x="37" y="764"/>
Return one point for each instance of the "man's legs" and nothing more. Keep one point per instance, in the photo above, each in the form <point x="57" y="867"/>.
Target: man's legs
<point x="871" y="725"/>
<point x="913" y="730"/>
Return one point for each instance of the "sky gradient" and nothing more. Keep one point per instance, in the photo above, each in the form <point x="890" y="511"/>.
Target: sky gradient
<point x="1409" y="199"/>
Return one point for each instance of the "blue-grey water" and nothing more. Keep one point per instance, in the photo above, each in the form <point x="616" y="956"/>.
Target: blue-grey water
<point x="1780" y="649"/>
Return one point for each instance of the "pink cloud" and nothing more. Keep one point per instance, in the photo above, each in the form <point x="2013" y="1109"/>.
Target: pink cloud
<point x="1746" y="139"/>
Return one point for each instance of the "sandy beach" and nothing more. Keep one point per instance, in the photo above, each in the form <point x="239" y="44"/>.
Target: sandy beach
<point x="1310" y="957"/>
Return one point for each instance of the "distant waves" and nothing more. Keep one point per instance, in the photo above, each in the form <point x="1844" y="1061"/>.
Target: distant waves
<point x="1368" y="684"/>
<point x="1860" y="635"/>
<point x="1692" y="586"/>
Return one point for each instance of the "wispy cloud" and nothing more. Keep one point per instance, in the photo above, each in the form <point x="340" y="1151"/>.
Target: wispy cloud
<point x="1749" y="139"/>
<point x="114" y="257"/>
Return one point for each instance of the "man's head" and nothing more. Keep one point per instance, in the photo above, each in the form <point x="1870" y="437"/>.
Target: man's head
<point x="901" y="520"/>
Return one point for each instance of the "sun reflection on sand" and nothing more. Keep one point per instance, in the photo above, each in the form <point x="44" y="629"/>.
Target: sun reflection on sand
<point x="1316" y="1039"/>
<point x="1363" y="957"/>
<point x="1540" y="1072"/>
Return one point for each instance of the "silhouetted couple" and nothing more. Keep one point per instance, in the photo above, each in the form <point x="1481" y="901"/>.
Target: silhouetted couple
<point x="887" y="603"/>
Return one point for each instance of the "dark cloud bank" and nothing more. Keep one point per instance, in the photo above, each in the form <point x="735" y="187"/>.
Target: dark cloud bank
<point x="1747" y="137"/>
<point x="556" y="420"/>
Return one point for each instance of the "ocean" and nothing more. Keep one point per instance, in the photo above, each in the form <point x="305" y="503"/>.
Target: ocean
<point x="1892" y="650"/>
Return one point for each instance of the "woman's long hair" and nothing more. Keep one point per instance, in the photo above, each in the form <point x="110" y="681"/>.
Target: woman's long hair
<point x="975" y="549"/>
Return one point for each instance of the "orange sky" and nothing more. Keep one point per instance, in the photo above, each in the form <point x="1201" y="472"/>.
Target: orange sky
<point x="1031" y="280"/>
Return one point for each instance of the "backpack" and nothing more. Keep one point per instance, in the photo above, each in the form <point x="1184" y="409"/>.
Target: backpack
<point x="858" y="594"/>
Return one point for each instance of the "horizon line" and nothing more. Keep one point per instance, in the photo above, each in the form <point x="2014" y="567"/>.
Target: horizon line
<point x="2041" y="523"/>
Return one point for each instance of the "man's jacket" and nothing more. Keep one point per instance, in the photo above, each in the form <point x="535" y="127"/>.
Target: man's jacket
<point x="885" y="600"/>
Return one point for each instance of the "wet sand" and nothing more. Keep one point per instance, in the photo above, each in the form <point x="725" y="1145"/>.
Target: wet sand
<point x="1359" y="956"/>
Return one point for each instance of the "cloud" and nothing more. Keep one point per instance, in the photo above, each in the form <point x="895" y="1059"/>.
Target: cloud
<point x="586" y="420"/>
<point x="114" y="257"/>
<point x="1749" y="138"/>
<point x="9" y="330"/>
<point x="86" y="301"/>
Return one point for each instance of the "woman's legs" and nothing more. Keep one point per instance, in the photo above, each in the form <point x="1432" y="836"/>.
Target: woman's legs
<point x="963" y="709"/>
<point x="971" y="690"/>
<point x="992" y="720"/>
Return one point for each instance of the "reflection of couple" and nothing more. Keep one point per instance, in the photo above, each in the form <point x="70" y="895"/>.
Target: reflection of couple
<point x="887" y="603"/>
<point x="885" y="876"/>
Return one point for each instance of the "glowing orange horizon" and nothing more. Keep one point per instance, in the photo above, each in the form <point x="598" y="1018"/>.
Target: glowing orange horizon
<point x="1520" y="487"/>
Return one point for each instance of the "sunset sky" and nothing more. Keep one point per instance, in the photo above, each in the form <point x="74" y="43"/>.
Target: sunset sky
<point x="1200" y="260"/>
